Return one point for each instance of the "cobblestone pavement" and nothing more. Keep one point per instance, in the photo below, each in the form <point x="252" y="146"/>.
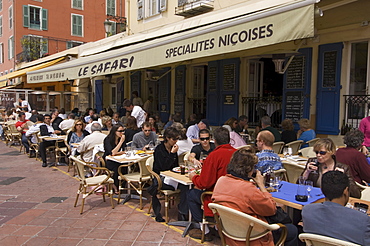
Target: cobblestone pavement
<point x="36" y="208"/>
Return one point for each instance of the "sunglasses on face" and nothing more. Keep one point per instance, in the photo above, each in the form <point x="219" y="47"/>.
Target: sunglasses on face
<point x="203" y="139"/>
<point x="147" y="130"/>
<point x="121" y="131"/>
<point x="78" y="124"/>
<point x="321" y="152"/>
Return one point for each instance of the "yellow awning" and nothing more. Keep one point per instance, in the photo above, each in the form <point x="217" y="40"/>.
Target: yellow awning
<point x="15" y="74"/>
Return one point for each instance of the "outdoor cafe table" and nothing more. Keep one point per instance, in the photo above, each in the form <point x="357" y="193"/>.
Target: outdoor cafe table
<point x="287" y="192"/>
<point x="122" y="159"/>
<point x="182" y="179"/>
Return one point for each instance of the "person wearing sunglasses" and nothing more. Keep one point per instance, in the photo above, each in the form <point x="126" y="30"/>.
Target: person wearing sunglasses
<point x="326" y="161"/>
<point x="77" y="133"/>
<point x="204" y="148"/>
<point x="114" y="144"/>
<point x="142" y="139"/>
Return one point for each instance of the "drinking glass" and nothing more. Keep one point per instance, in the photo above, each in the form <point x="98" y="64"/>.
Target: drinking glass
<point x="290" y="151"/>
<point x="285" y="152"/>
<point x="276" y="184"/>
<point x="309" y="185"/>
<point x="128" y="151"/>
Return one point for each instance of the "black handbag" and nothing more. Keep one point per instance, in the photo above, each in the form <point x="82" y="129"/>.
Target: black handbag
<point x="279" y="217"/>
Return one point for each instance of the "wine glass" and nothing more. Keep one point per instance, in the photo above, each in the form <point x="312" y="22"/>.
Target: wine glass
<point x="309" y="185"/>
<point x="290" y="151"/>
<point x="285" y="152"/>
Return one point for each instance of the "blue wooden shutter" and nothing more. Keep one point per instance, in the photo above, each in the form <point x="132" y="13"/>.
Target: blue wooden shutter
<point x="98" y="95"/>
<point x="26" y="18"/>
<point x="44" y="19"/>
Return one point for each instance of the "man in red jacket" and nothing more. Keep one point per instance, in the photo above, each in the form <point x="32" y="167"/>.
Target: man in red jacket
<point x="213" y="168"/>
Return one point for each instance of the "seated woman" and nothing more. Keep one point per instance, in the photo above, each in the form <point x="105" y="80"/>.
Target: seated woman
<point x="326" y="161"/>
<point x="351" y="156"/>
<point x="153" y="124"/>
<point x="165" y="158"/>
<point x="231" y="124"/>
<point x="235" y="190"/>
<point x="107" y="123"/>
<point x="77" y="133"/>
<point x="131" y="128"/>
<point x="305" y="133"/>
<point x="114" y="145"/>
<point x="185" y="144"/>
<point x="288" y="134"/>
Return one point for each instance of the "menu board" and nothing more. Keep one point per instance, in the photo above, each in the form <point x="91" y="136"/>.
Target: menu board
<point x="212" y="78"/>
<point x="229" y="77"/>
<point x="294" y="105"/>
<point x="180" y="89"/>
<point x="329" y="71"/>
<point x="296" y="73"/>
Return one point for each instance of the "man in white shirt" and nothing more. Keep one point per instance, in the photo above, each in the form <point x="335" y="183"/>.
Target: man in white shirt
<point x="68" y="123"/>
<point x="88" y="143"/>
<point x="24" y="105"/>
<point x="136" y="111"/>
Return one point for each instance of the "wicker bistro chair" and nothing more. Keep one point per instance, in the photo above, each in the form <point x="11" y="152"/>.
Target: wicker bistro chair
<point x="318" y="240"/>
<point x="13" y="135"/>
<point x="101" y="178"/>
<point x="135" y="180"/>
<point x="241" y="226"/>
<point x="62" y="151"/>
<point x="312" y="142"/>
<point x="277" y="147"/>
<point x="34" y="146"/>
<point x="168" y="194"/>
<point x="307" y="152"/>
<point x="293" y="171"/>
<point x="295" y="145"/>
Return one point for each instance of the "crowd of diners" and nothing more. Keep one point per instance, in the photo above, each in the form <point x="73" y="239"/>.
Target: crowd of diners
<point x="226" y="162"/>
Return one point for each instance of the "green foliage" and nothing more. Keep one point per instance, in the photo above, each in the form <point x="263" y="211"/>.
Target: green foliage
<point x="33" y="48"/>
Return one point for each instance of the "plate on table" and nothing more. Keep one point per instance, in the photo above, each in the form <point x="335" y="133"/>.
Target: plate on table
<point x="177" y="170"/>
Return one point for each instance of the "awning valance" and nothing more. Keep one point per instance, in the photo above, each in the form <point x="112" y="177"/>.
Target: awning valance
<point x="282" y="24"/>
<point x="19" y="73"/>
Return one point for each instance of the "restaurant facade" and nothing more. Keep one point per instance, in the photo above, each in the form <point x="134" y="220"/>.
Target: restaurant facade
<point x="286" y="59"/>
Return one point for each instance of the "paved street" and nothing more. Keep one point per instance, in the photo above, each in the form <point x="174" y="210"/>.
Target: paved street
<point x="36" y="208"/>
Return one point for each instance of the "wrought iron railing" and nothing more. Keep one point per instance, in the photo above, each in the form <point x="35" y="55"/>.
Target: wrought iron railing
<point x="356" y="108"/>
<point x="257" y="107"/>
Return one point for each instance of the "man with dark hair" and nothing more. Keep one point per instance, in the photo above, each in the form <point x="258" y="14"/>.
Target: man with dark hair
<point x="93" y="119"/>
<point x="213" y="168"/>
<point x="142" y="139"/>
<point x="242" y="124"/>
<point x="34" y="113"/>
<point x="21" y="125"/>
<point x="205" y="146"/>
<point x="193" y="131"/>
<point x="24" y="105"/>
<point x="331" y="218"/>
<point x="136" y="111"/>
<point x="55" y="121"/>
<point x="266" y="126"/>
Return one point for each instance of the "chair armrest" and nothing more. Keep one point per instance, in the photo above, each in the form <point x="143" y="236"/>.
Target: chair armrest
<point x="122" y="166"/>
<point x="283" y="235"/>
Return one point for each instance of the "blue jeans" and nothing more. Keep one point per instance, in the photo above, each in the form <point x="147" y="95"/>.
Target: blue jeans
<point x="25" y="143"/>
<point x="195" y="204"/>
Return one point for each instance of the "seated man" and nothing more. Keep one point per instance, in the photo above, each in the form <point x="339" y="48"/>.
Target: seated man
<point x="88" y="143"/>
<point x="205" y="147"/>
<point x="266" y="126"/>
<point x="193" y="131"/>
<point x="331" y="218"/>
<point x="213" y="168"/>
<point x="267" y="158"/>
<point x="142" y="139"/>
<point x="68" y="123"/>
<point x="21" y="125"/>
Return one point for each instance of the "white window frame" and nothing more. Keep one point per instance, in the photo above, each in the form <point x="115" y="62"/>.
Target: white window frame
<point x="10" y="13"/>
<point x="82" y="5"/>
<point x="1" y="52"/>
<point x="29" y="16"/>
<point x="11" y="48"/>
<point x="82" y="25"/>
<point x="151" y="9"/>
<point x="1" y="25"/>
<point x="115" y="7"/>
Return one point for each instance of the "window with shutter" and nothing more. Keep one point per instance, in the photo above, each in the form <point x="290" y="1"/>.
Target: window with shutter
<point x="77" y="25"/>
<point x="1" y="26"/>
<point x="1" y="53"/>
<point x="26" y="19"/>
<point x="163" y="5"/>
<point x="10" y="48"/>
<point x="10" y="17"/>
<point x="1" y="5"/>
<point x="77" y="4"/>
<point x="111" y="7"/>
<point x="35" y="17"/>
<point x="140" y="8"/>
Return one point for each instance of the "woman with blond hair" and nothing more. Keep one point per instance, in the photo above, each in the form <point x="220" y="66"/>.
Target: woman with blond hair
<point x="77" y="133"/>
<point x="305" y="133"/>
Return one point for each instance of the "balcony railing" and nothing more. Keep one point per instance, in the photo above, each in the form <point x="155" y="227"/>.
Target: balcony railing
<point x="257" y="107"/>
<point x="188" y="8"/>
<point x="356" y="108"/>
